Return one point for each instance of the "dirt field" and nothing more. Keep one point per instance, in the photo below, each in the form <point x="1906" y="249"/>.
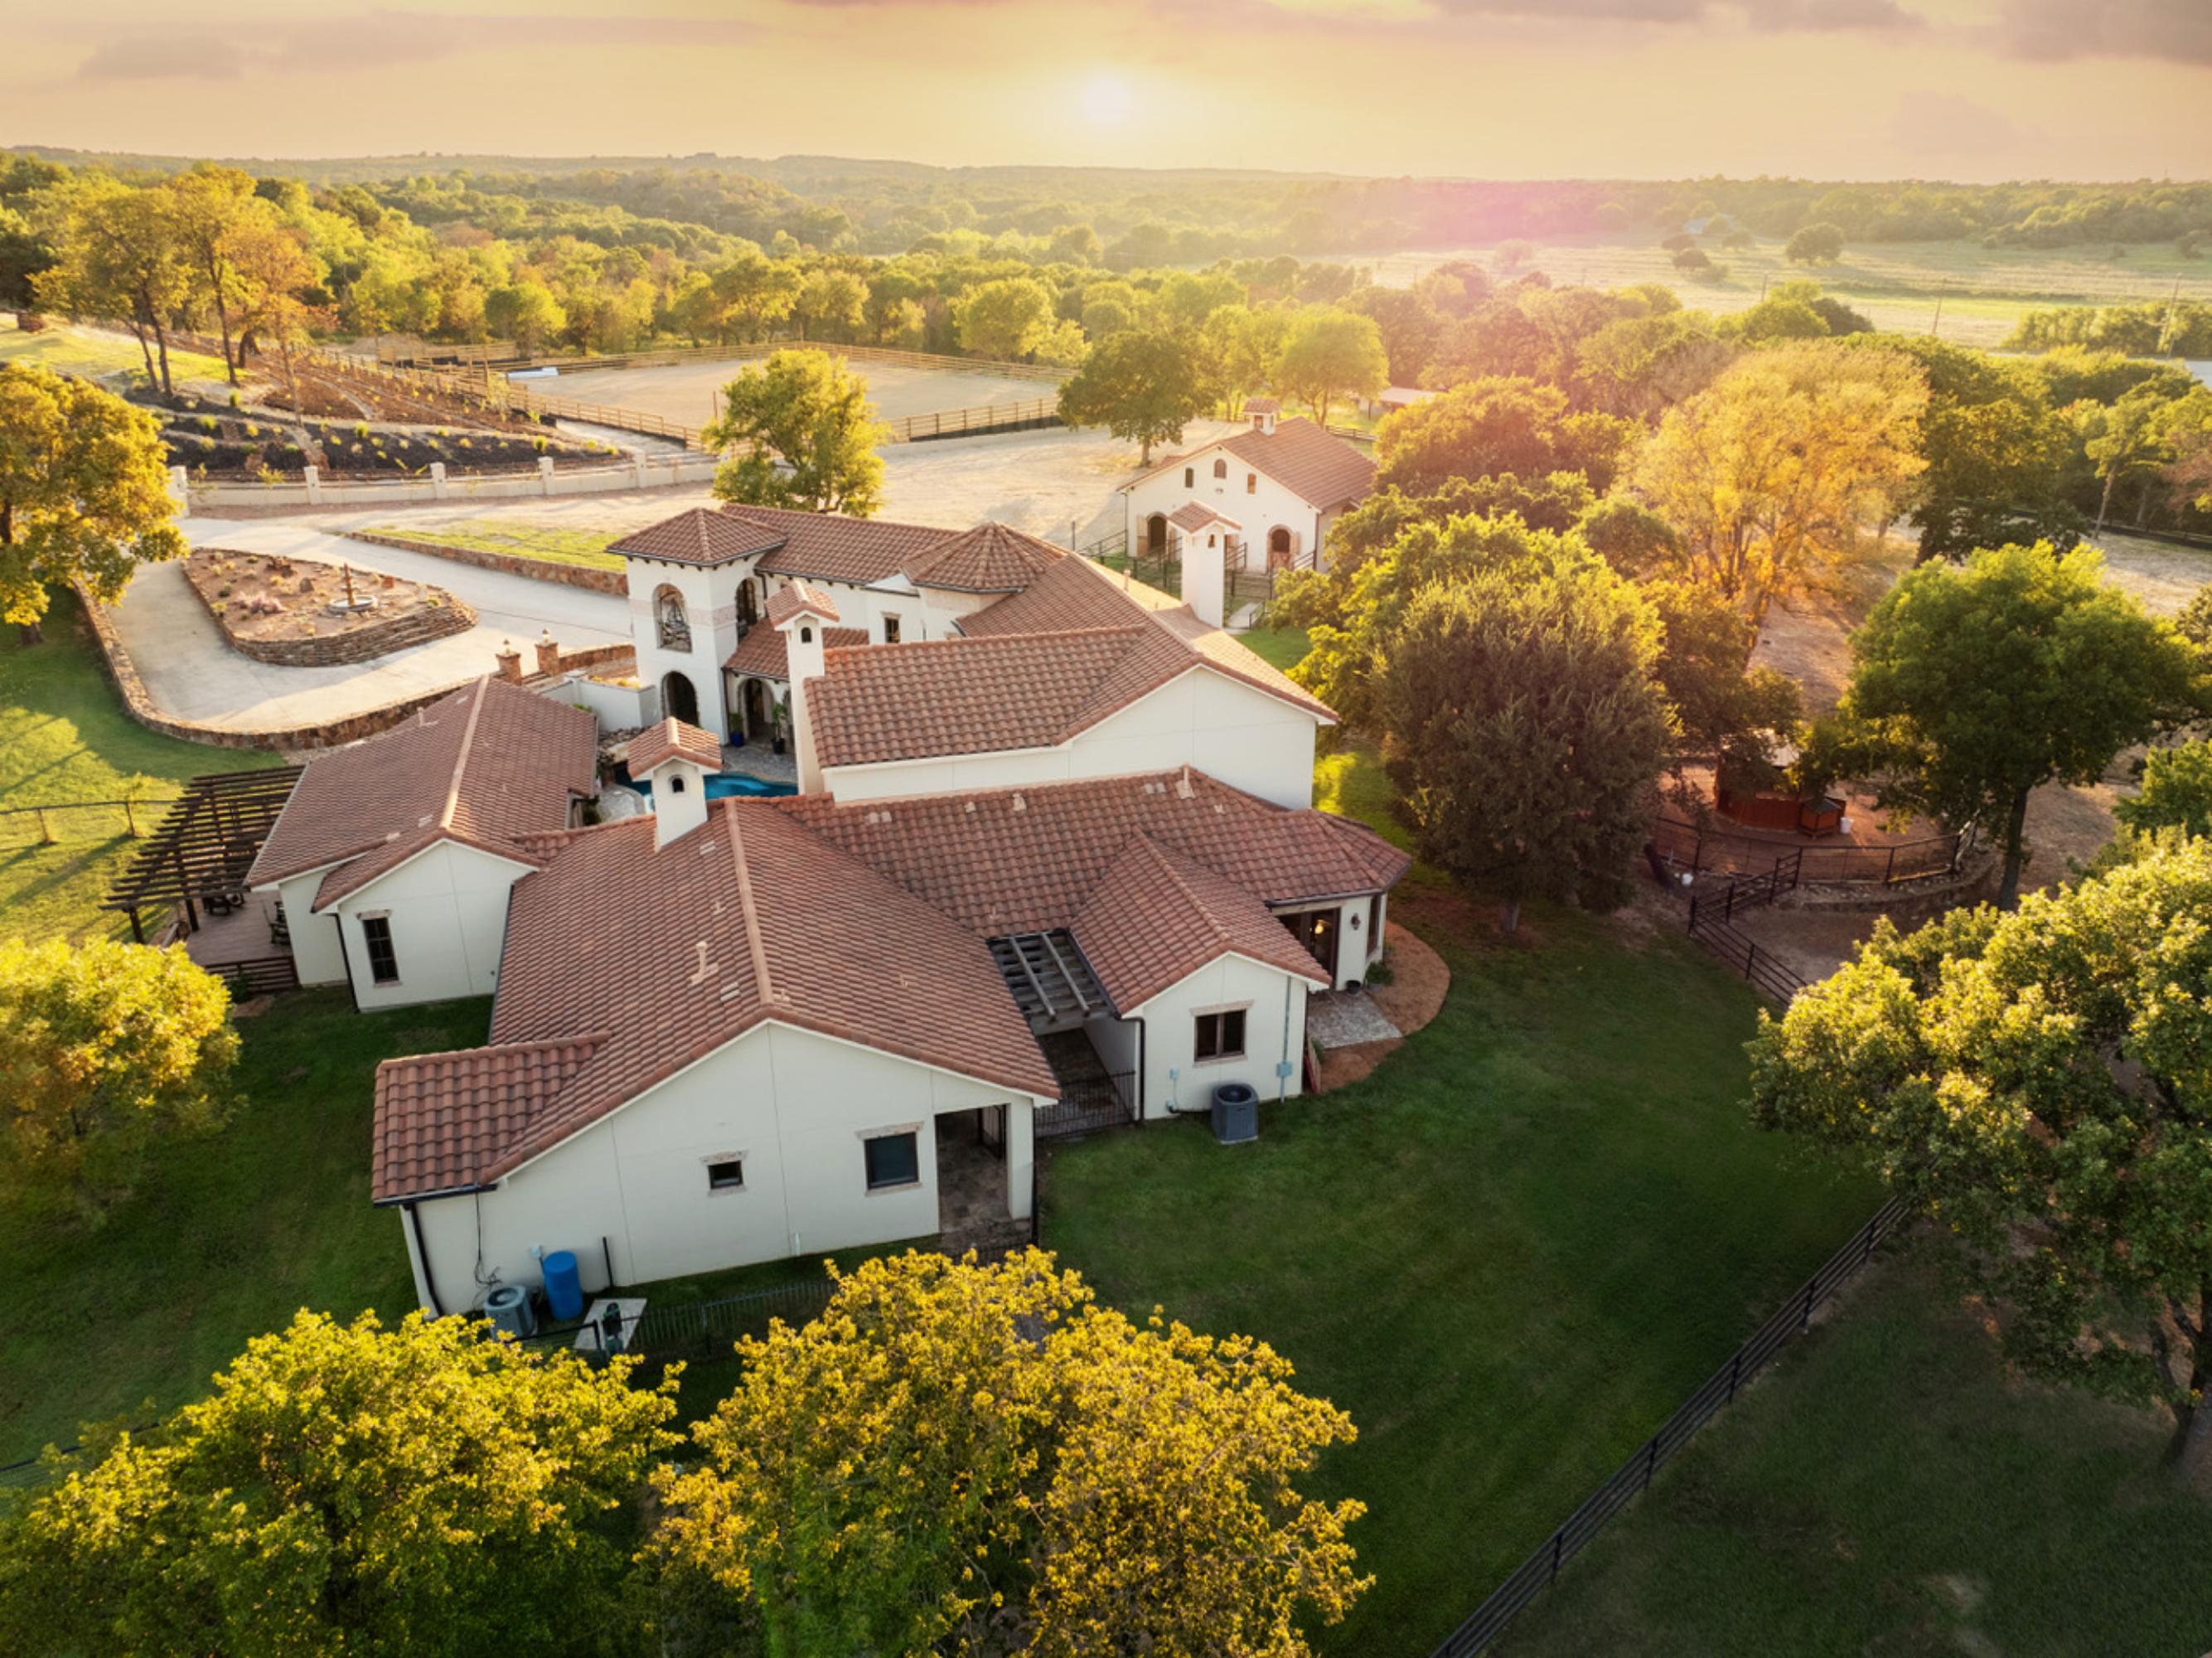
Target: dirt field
<point x="686" y="394"/>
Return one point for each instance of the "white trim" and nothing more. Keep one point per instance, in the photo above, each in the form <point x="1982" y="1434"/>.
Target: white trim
<point x="443" y="839"/>
<point x="1313" y="978"/>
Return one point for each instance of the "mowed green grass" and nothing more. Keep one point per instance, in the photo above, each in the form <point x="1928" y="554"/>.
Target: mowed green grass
<point x="1509" y="1254"/>
<point x="545" y="542"/>
<point x="63" y="737"/>
<point x="69" y="349"/>
<point x="229" y="1236"/>
<point x="1888" y="1488"/>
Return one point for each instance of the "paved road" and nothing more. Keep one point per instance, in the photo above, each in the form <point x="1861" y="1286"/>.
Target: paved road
<point x="190" y="673"/>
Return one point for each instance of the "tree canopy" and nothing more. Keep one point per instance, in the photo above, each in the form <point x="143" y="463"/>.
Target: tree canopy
<point x="1143" y="385"/>
<point x="2036" y="1082"/>
<point x="1497" y="424"/>
<point x="1971" y="686"/>
<point x="805" y="434"/>
<point x="1050" y="1479"/>
<point x="1328" y="354"/>
<point x="348" y="1488"/>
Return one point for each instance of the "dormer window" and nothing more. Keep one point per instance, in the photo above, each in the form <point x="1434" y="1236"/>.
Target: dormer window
<point x="1221" y="469"/>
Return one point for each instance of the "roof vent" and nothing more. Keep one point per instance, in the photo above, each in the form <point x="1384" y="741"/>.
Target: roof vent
<point x="1020" y="805"/>
<point x="699" y="977"/>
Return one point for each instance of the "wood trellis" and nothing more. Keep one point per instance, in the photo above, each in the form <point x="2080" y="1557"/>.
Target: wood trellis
<point x="205" y="844"/>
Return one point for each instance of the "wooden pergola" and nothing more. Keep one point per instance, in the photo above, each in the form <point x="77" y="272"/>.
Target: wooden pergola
<point x="203" y="848"/>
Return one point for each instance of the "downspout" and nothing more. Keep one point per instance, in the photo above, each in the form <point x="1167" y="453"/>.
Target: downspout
<point x="1283" y="1065"/>
<point x="422" y="1254"/>
<point x="1141" y="1072"/>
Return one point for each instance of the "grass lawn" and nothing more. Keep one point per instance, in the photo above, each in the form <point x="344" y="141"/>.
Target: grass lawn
<point x="1888" y="1489"/>
<point x="228" y="1237"/>
<point x="1278" y="647"/>
<point x="545" y="542"/>
<point x="67" y="349"/>
<point x="1509" y="1254"/>
<point x="65" y="737"/>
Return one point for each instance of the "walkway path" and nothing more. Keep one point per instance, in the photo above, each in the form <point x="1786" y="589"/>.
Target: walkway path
<point x="192" y="673"/>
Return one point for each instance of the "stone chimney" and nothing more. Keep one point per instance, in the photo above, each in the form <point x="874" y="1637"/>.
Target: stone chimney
<point x="800" y="613"/>
<point x="549" y="654"/>
<point x="510" y="661"/>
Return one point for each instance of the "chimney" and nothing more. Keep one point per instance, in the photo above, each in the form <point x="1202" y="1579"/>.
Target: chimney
<point x="799" y="614"/>
<point x="1205" y="562"/>
<point x="549" y="654"/>
<point x="1262" y="411"/>
<point x="510" y="661"/>
<point x="679" y="799"/>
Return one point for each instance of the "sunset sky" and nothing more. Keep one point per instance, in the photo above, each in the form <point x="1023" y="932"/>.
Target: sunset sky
<point x="1971" y="89"/>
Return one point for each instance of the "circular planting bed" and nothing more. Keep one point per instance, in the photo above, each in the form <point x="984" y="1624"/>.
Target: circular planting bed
<point x="298" y="613"/>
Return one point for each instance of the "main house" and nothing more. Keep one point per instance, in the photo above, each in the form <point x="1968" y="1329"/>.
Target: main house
<point x="1264" y="498"/>
<point x="1052" y="861"/>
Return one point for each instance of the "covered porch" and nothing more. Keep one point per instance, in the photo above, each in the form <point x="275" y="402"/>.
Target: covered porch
<point x="1090" y="1049"/>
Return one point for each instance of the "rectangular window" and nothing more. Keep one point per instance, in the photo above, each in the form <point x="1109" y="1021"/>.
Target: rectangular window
<point x="383" y="964"/>
<point x="893" y="1159"/>
<point x="1220" y="1035"/>
<point x="891" y="629"/>
<point x="727" y="1175"/>
<point x="1251" y="483"/>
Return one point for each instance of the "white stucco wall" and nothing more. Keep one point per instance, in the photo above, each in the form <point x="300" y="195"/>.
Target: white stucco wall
<point x="448" y="906"/>
<point x="710" y="605"/>
<point x="1244" y="737"/>
<point x="316" y="954"/>
<point x="616" y="706"/>
<point x="1258" y="509"/>
<point x="794" y="1105"/>
<point x="1274" y="1007"/>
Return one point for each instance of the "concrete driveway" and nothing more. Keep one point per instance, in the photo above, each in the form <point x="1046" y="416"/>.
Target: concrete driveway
<point x="190" y="672"/>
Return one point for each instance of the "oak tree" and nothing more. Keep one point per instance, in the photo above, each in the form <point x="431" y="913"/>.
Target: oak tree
<point x="801" y="433"/>
<point x="1142" y="385"/>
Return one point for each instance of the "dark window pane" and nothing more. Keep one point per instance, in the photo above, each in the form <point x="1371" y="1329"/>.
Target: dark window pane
<point x="1232" y="1031"/>
<point x="727" y="1176"/>
<point x="893" y="1159"/>
<point x="383" y="963"/>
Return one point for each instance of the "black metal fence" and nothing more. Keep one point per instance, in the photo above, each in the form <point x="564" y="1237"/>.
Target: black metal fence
<point x="1826" y="862"/>
<point x="1767" y="972"/>
<point x="1540" y="1570"/>
<point x="1088" y="1110"/>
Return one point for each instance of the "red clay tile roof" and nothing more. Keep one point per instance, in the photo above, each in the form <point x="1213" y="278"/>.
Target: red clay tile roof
<point x="1194" y="516"/>
<point x="1261" y="405"/>
<point x="624" y="963"/>
<point x="1027" y="860"/>
<point x="797" y="595"/>
<point x="763" y="652"/>
<point x="832" y="548"/>
<point x="700" y="535"/>
<point x="1324" y="471"/>
<point x="485" y="766"/>
<point x="989" y="558"/>
<point x="1075" y="646"/>
<point x="673" y="739"/>
<point x="442" y="1117"/>
<point x="1157" y="917"/>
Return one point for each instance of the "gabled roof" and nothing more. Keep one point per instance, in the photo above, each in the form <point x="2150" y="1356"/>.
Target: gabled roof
<point x="1261" y="405"/>
<point x="796" y="598"/>
<point x="1322" y="470"/>
<point x="764" y="652"/>
<point x="1157" y="917"/>
<point x="1196" y="515"/>
<point x="830" y="547"/>
<point x="485" y="766"/>
<point x="1075" y="646"/>
<point x="989" y="558"/>
<point x="672" y="740"/>
<point x="870" y="923"/>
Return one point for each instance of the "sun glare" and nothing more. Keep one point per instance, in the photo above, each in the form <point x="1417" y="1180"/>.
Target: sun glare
<point x="1106" y="101"/>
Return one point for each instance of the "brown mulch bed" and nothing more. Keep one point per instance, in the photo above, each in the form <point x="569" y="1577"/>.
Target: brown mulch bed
<point x="1414" y="996"/>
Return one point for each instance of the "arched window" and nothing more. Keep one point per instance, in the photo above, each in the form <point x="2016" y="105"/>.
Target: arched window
<point x="1221" y="469"/>
<point x="1251" y="483"/>
<point x="1190" y="476"/>
<point x="674" y="625"/>
<point x="806" y="635"/>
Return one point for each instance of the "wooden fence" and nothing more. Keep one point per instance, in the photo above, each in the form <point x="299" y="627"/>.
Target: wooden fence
<point x="1573" y="1535"/>
<point x="80" y="820"/>
<point x="676" y="357"/>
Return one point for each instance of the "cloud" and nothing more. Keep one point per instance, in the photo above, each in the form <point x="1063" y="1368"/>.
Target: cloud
<point x="2178" y="31"/>
<point x="225" y="51"/>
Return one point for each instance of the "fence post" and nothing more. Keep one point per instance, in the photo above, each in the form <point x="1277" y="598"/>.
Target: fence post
<point x="1890" y="872"/>
<point x="1559" y="1541"/>
<point x="1805" y="1319"/>
<point x="1750" y="955"/>
<point x="130" y="818"/>
<point x="1650" y="1459"/>
<point x="1736" y="1370"/>
<point x="45" y="829"/>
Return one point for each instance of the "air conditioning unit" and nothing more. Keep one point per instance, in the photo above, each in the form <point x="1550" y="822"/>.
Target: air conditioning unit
<point x="1236" y="1113"/>
<point x="508" y="1308"/>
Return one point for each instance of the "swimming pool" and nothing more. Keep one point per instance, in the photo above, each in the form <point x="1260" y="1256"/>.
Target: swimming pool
<point x="720" y="786"/>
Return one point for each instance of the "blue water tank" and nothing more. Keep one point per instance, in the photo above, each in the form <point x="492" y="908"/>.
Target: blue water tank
<point x="564" y="1289"/>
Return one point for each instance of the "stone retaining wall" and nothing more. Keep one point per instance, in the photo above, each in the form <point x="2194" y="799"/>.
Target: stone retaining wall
<point x="379" y="637"/>
<point x="538" y="569"/>
<point x="123" y="674"/>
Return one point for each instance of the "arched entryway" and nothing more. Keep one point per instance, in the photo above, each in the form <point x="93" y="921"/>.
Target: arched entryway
<point x="1156" y="535"/>
<point x="759" y="711"/>
<point x="748" y="607"/>
<point x="1278" y="548"/>
<point x="679" y="698"/>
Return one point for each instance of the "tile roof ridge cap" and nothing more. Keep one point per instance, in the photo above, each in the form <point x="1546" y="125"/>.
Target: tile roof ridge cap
<point x="756" y="945"/>
<point x="461" y="760"/>
<point x="582" y="1038"/>
<point x="1167" y="863"/>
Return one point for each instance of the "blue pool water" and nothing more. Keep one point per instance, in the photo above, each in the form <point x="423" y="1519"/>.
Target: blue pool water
<point x="720" y="786"/>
